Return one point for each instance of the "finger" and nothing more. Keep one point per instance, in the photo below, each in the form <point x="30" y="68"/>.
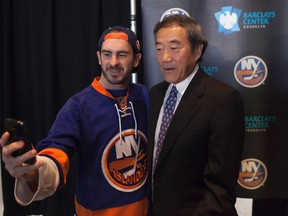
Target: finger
<point x="4" y="139"/>
<point x="9" y="149"/>
<point x="26" y="156"/>
<point x="11" y="162"/>
<point x="23" y="170"/>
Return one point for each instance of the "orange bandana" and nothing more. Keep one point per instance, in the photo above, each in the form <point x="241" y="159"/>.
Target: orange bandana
<point x="117" y="35"/>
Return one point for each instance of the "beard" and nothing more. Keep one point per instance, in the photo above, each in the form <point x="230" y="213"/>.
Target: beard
<point x="117" y="78"/>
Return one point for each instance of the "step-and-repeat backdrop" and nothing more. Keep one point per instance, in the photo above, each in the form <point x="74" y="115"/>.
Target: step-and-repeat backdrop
<point x="248" y="49"/>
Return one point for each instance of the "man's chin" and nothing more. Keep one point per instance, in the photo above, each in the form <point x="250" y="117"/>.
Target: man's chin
<point x="116" y="81"/>
<point x="169" y="79"/>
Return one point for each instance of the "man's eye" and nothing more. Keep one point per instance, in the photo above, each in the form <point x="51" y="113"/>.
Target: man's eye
<point x="123" y="55"/>
<point x="174" y="49"/>
<point x="159" y="50"/>
<point x="106" y="54"/>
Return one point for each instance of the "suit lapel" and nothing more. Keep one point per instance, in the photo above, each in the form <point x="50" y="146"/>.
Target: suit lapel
<point x="156" y="100"/>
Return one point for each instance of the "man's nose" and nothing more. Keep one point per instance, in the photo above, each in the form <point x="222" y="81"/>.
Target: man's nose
<point x="114" y="60"/>
<point x="166" y="56"/>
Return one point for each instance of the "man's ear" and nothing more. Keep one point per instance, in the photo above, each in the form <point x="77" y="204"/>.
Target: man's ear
<point x="98" y="54"/>
<point x="137" y="60"/>
<point x="198" y="51"/>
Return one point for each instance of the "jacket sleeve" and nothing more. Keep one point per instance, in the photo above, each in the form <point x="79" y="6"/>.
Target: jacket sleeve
<point x="226" y="139"/>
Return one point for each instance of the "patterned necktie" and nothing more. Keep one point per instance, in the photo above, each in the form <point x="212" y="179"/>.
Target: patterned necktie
<point x="167" y="116"/>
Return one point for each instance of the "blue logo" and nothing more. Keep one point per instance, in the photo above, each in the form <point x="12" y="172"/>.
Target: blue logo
<point x="258" y="19"/>
<point x="210" y="70"/>
<point x="258" y="123"/>
<point x="227" y="20"/>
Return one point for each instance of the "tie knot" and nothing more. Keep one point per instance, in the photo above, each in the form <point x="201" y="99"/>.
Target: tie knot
<point x="173" y="90"/>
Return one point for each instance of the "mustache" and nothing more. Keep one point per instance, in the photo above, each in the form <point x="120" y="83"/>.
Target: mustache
<point x="115" y="68"/>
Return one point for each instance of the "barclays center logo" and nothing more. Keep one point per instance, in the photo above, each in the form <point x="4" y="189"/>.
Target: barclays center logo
<point x="228" y="19"/>
<point x="211" y="69"/>
<point x="258" y="123"/>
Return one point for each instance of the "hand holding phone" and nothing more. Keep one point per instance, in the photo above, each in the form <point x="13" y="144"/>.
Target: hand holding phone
<point x="18" y="131"/>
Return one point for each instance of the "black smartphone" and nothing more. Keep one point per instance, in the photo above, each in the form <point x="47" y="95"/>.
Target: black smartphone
<point x="18" y="131"/>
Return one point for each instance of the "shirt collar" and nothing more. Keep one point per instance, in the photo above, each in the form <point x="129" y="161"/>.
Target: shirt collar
<point x="182" y="86"/>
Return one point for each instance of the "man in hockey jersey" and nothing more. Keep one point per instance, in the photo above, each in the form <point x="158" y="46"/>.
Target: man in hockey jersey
<point x="105" y="124"/>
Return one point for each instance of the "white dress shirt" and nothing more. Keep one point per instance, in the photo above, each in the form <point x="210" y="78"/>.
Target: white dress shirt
<point x="181" y="88"/>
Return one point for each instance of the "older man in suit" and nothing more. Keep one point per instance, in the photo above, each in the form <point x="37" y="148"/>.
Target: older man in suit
<point x="194" y="165"/>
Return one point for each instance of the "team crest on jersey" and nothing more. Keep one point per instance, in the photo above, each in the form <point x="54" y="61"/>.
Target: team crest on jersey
<point x="124" y="161"/>
<point x="250" y="71"/>
<point x="253" y="174"/>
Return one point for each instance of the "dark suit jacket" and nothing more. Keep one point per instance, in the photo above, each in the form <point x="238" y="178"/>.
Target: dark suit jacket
<point x="200" y="158"/>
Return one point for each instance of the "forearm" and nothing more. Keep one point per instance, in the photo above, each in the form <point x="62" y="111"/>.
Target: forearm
<point x="48" y="183"/>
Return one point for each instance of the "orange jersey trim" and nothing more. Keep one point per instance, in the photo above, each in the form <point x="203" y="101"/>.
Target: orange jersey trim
<point x="136" y="209"/>
<point x="59" y="156"/>
<point x="98" y="87"/>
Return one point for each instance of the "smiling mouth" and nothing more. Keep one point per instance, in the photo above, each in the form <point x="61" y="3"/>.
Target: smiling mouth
<point x="168" y="69"/>
<point x="115" y="70"/>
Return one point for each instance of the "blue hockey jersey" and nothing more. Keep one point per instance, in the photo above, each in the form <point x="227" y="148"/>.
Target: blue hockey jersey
<point x="109" y="137"/>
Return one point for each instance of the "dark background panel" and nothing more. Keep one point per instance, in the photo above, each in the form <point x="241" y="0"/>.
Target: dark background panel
<point x="47" y="53"/>
<point x="267" y="100"/>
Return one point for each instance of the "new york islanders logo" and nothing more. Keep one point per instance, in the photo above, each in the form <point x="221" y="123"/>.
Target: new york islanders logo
<point x="250" y="71"/>
<point x="174" y="11"/>
<point x="253" y="174"/>
<point x="124" y="161"/>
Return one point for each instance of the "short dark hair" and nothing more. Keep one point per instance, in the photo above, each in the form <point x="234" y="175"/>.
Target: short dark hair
<point x="195" y="34"/>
